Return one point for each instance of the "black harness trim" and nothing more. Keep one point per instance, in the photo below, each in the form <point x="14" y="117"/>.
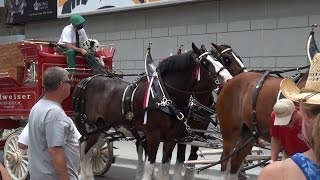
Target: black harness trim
<point x="127" y="109"/>
<point x="79" y="107"/>
<point x="255" y="94"/>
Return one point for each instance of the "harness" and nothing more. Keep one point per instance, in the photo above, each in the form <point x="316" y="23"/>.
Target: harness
<point x="255" y="94"/>
<point x="220" y="57"/>
<point x="161" y="101"/>
<point x="79" y="107"/>
<point x="255" y="131"/>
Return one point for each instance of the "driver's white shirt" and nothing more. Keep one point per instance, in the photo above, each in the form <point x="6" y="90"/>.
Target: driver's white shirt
<point x="24" y="136"/>
<point x="68" y="35"/>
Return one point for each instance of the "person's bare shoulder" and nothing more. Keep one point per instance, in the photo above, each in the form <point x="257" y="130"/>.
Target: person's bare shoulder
<point x="286" y="169"/>
<point x="272" y="170"/>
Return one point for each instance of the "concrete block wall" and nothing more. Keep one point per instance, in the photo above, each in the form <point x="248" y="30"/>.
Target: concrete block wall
<point x="266" y="34"/>
<point x="9" y="33"/>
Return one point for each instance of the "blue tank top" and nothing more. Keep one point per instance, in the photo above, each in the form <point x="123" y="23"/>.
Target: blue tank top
<point x="309" y="168"/>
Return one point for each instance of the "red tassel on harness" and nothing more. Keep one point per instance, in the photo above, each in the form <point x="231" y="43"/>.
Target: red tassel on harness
<point x="197" y="74"/>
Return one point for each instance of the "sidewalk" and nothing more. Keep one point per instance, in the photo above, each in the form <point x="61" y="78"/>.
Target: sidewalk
<point x="126" y="155"/>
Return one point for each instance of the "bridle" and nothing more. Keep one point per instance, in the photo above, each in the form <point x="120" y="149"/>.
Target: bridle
<point x="222" y="59"/>
<point x="210" y="75"/>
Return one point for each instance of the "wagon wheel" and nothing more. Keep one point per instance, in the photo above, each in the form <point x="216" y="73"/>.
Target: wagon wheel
<point x="15" y="159"/>
<point x="102" y="158"/>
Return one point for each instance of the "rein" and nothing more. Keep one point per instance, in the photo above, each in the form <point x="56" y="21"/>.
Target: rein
<point x="192" y="92"/>
<point x="187" y="92"/>
<point x="282" y="71"/>
<point x="252" y="138"/>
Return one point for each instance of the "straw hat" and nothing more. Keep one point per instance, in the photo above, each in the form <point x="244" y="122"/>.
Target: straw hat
<point x="311" y="92"/>
<point x="283" y="110"/>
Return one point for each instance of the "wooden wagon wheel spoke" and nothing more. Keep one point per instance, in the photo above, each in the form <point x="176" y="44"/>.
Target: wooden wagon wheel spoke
<point x="11" y="146"/>
<point x="16" y="160"/>
<point x="101" y="161"/>
<point x="102" y="158"/>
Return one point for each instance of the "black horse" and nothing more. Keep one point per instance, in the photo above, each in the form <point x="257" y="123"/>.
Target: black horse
<point x="101" y="103"/>
<point x="234" y="65"/>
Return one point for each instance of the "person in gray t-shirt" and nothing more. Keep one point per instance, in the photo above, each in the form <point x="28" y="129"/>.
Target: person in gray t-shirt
<point x="54" y="151"/>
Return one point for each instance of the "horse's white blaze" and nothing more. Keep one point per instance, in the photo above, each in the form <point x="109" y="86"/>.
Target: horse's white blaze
<point x="239" y="62"/>
<point x="163" y="171"/>
<point x="177" y="173"/>
<point x="148" y="171"/>
<point x="225" y="74"/>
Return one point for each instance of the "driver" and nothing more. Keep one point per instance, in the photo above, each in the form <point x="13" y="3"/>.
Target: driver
<point x="69" y="44"/>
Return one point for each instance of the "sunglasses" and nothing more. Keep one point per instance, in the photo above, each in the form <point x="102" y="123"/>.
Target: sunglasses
<point x="79" y="26"/>
<point x="67" y="81"/>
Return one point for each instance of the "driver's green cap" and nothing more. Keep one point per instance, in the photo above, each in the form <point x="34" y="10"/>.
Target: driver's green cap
<point x="76" y="19"/>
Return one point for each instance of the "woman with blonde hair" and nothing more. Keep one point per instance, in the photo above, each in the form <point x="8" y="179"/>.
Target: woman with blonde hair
<point x="302" y="165"/>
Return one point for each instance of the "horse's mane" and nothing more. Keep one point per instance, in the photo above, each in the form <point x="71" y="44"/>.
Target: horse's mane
<point x="176" y="63"/>
<point x="226" y="45"/>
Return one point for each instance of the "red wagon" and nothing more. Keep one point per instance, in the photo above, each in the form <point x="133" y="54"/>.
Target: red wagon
<point x="20" y="89"/>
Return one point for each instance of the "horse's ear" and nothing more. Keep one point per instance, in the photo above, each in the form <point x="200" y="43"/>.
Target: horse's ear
<point x="195" y="49"/>
<point x="215" y="46"/>
<point x="203" y="47"/>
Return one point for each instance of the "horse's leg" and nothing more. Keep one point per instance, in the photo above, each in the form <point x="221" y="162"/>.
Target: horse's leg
<point x="140" y="160"/>
<point x="181" y="151"/>
<point x="189" y="174"/>
<point x="229" y="143"/>
<point x="238" y="158"/>
<point x="85" y="163"/>
<point x="163" y="172"/>
<point x="153" y="141"/>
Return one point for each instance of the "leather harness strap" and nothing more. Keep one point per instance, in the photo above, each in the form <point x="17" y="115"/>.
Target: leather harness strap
<point x="255" y="94"/>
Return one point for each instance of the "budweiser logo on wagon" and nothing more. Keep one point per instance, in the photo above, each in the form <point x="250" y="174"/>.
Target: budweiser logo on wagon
<point x="17" y="100"/>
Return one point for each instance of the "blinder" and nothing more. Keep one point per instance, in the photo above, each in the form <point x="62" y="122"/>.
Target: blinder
<point x="212" y="75"/>
<point x="225" y="61"/>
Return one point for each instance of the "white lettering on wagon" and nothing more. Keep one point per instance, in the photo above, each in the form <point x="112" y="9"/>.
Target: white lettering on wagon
<point x="17" y="100"/>
<point x="15" y="96"/>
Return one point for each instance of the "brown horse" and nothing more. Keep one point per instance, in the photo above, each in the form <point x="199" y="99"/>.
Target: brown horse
<point x="235" y="111"/>
<point x="229" y="59"/>
<point x="98" y="105"/>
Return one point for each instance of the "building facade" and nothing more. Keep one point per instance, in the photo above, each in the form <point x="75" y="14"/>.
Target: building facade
<point x="266" y="34"/>
<point x="9" y="33"/>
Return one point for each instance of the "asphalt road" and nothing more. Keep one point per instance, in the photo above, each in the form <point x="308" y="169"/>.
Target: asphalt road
<point x="128" y="172"/>
<point x="125" y="166"/>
